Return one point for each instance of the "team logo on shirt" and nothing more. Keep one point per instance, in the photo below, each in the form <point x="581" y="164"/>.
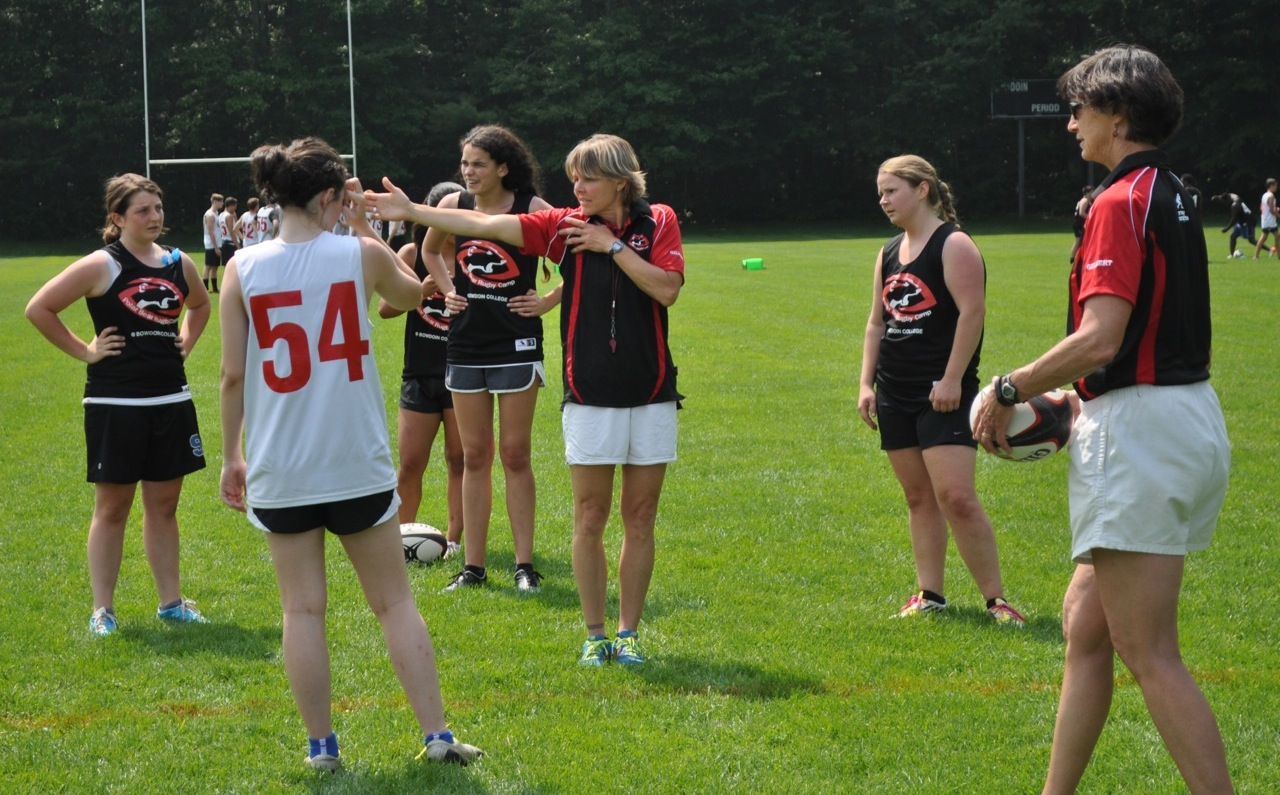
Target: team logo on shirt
<point x="434" y="317"/>
<point x="638" y="242"/>
<point x="487" y="264"/>
<point x="907" y="298"/>
<point x="153" y="299"/>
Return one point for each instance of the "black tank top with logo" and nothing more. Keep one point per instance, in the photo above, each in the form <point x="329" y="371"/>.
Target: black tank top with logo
<point x="920" y="317"/>
<point x="144" y="304"/>
<point x="488" y="274"/>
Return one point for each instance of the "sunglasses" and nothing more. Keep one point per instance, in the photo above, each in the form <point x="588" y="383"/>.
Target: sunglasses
<point x="1076" y="107"/>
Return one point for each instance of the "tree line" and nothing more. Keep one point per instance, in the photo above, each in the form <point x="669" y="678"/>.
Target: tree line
<point x="742" y="113"/>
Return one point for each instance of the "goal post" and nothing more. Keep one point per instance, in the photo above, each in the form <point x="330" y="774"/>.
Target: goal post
<point x="146" y="108"/>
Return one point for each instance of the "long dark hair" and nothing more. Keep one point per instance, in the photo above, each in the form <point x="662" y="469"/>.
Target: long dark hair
<point x="505" y="147"/>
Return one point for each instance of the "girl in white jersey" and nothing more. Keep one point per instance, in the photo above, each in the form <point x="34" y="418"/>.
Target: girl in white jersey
<point x="299" y="383"/>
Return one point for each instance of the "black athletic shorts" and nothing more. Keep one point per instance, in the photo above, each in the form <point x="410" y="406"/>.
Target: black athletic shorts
<point x="228" y="251"/>
<point x="131" y="443"/>
<point x="342" y="518"/>
<point x="211" y="258"/>
<point x="914" y="423"/>
<point x="425" y="395"/>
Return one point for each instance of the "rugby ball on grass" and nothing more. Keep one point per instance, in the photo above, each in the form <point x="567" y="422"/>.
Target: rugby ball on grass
<point x="1039" y="428"/>
<point x="422" y="542"/>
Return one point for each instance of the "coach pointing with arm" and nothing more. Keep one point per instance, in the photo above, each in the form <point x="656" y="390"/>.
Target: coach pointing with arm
<point x="622" y="262"/>
<point x="1138" y="351"/>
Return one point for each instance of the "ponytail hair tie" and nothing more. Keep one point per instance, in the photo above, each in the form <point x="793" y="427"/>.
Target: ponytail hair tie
<point x="171" y="257"/>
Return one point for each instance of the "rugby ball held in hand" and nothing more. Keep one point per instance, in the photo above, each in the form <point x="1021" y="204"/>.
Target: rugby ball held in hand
<point x="422" y="542"/>
<point x="1039" y="428"/>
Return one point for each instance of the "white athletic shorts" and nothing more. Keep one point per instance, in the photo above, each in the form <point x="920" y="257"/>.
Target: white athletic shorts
<point x="643" y="435"/>
<point x="1149" y="468"/>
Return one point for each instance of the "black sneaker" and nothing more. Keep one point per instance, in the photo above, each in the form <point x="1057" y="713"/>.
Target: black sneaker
<point x="466" y="579"/>
<point x="528" y="580"/>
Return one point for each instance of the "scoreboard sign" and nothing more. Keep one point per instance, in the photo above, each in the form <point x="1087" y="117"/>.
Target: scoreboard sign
<point x="1027" y="99"/>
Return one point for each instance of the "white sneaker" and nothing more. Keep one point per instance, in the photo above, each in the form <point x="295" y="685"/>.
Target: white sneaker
<point x="324" y="762"/>
<point x="452" y="751"/>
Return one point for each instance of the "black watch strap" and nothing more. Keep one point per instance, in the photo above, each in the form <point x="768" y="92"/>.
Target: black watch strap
<point x="1006" y="392"/>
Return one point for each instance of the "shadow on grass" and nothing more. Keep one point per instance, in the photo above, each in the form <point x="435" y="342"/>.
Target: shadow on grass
<point x="415" y="776"/>
<point x="225" y="640"/>
<point x="1041" y="628"/>
<point x="740" y="680"/>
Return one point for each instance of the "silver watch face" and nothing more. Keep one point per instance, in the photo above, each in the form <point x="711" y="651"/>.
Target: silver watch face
<point x="616" y="247"/>
<point x="1008" y="390"/>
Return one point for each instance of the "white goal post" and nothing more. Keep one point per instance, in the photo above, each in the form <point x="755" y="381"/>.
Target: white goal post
<point x="146" y="107"/>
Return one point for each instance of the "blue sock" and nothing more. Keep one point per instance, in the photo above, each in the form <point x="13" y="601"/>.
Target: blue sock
<point x="627" y="633"/>
<point x="445" y="735"/>
<point x="328" y="745"/>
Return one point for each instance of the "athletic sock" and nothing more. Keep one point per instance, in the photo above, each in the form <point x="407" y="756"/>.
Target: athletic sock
<point x="328" y="745"/>
<point x="934" y="597"/>
<point x="627" y="633"/>
<point x="524" y="567"/>
<point x="445" y="735"/>
<point x="992" y="601"/>
<point x="479" y="571"/>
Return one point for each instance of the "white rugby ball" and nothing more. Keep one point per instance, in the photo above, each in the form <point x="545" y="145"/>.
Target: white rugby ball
<point x="1039" y="428"/>
<point x="422" y="542"/>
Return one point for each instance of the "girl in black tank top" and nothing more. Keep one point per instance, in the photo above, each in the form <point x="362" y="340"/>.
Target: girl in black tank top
<point x="149" y="308"/>
<point x="920" y="375"/>
<point x="500" y="176"/>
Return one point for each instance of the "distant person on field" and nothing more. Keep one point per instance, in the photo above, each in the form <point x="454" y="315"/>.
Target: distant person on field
<point x="268" y="222"/>
<point x="1081" y="213"/>
<point x="920" y="375"/>
<point x="1149" y="451"/>
<point x="1189" y="182"/>
<point x="212" y="242"/>
<point x="426" y="404"/>
<point x="1267" y="216"/>
<point x="1240" y="223"/>
<point x="248" y="223"/>
<point x="622" y="262"/>
<point x="229" y="226"/>
<point x="139" y="421"/>
<point x="306" y="399"/>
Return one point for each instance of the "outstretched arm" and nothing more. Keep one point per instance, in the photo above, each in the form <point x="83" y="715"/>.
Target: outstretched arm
<point x="396" y="206"/>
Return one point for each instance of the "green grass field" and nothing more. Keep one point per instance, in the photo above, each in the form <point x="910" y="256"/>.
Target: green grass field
<point x="782" y="552"/>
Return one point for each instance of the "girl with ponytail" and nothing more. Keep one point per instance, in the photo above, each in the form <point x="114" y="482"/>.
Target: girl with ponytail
<point x="920" y="374"/>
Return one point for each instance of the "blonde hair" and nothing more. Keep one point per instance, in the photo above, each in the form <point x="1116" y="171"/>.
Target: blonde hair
<point x="604" y="156"/>
<point x="119" y="191"/>
<point x="915" y="170"/>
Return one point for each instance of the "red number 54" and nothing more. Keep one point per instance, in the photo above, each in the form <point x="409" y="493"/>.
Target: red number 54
<point x="341" y="311"/>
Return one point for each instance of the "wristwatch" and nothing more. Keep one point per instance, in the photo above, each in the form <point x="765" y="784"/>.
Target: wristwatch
<point x="1006" y="392"/>
<point x="616" y="248"/>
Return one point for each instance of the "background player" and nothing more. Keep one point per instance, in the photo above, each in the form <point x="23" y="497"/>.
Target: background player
<point x="426" y="404"/>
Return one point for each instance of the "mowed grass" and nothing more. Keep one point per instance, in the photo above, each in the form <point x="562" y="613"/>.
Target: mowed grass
<point x="782" y="552"/>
